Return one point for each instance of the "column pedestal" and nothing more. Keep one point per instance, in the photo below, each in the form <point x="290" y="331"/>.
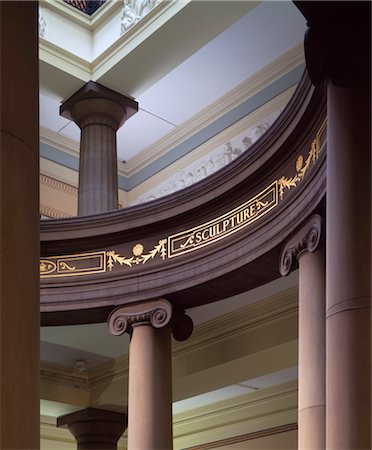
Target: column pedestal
<point x="95" y="429"/>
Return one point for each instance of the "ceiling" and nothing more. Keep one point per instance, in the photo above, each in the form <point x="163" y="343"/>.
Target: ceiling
<point x="201" y="72"/>
<point x="260" y="36"/>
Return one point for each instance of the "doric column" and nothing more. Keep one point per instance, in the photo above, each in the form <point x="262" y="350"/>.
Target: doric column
<point x="338" y="54"/>
<point x="19" y="226"/>
<point x="95" y="429"/>
<point x="150" y="374"/>
<point x="305" y="248"/>
<point x="99" y="112"/>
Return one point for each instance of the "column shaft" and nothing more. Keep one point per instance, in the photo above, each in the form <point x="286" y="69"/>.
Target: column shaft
<point x="98" y="180"/>
<point x="19" y="227"/>
<point x="349" y="265"/>
<point x="311" y="351"/>
<point x="150" y="389"/>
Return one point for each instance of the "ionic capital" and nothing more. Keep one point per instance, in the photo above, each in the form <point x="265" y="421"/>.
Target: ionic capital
<point x="307" y="239"/>
<point x="157" y="313"/>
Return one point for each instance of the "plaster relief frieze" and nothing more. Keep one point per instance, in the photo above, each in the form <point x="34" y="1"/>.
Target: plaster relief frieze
<point x="42" y="24"/>
<point x="211" y="162"/>
<point x="134" y="11"/>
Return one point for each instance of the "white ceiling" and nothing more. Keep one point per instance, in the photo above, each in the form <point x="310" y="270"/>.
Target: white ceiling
<point x="259" y="37"/>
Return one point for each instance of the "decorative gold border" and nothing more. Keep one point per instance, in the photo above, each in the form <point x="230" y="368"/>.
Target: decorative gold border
<point x="192" y="232"/>
<point x="63" y="266"/>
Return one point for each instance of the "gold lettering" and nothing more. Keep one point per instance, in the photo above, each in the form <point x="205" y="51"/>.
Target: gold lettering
<point x="203" y="234"/>
<point x="225" y="224"/>
<point x="253" y="209"/>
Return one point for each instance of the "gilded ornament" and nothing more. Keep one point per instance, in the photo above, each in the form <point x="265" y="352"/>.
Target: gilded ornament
<point x="138" y="250"/>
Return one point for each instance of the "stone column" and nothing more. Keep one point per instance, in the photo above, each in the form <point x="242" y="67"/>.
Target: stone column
<point x="349" y="267"/>
<point x="99" y="112"/>
<point x="150" y="374"/>
<point x="338" y="55"/>
<point x="19" y="226"/>
<point x="95" y="429"/>
<point x="305" y="247"/>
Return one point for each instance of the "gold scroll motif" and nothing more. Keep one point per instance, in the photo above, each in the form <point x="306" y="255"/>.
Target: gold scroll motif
<point x="191" y="239"/>
<point x="138" y="256"/>
<point x="302" y="165"/>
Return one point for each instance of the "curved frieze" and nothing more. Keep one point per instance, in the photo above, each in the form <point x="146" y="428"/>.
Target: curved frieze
<point x="226" y="226"/>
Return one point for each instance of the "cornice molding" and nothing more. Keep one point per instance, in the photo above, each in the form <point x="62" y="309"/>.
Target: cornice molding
<point x="265" y="408"/>
<point x="235" y="323"/>
<point x="59" y="141"/>
<point x="93" y="70"/>
<point x="307" y="239"/>
<point x="64" y="60"/>
<point x="226" y="103"/>
<point x="135" y="35"/>
<point x="246" y="437"/>
<point x="57" y="374"/>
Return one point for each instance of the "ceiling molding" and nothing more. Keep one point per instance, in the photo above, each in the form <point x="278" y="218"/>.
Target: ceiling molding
<point x="235" y="323"/>
<point x="84" y="70"/>
<point x="57" y="140"/>
<point x="133" y="37"/>
<point x="247" y="437"/>
<point x="57" y="374"/>
<point x="64" y="60"/>
<point x="248" y="413"/>
<point x="293" y="58"/>
<point x="254" y="84"/>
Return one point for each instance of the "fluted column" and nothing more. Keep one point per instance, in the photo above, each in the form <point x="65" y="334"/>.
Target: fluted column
<point x="338" y="55"/>
<point x="99" y="112"/>
<point x="150" y="371"/>
<point x="95" y="429"/>
<point x="305" y="248"/>
<point x="19" y="227"/>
